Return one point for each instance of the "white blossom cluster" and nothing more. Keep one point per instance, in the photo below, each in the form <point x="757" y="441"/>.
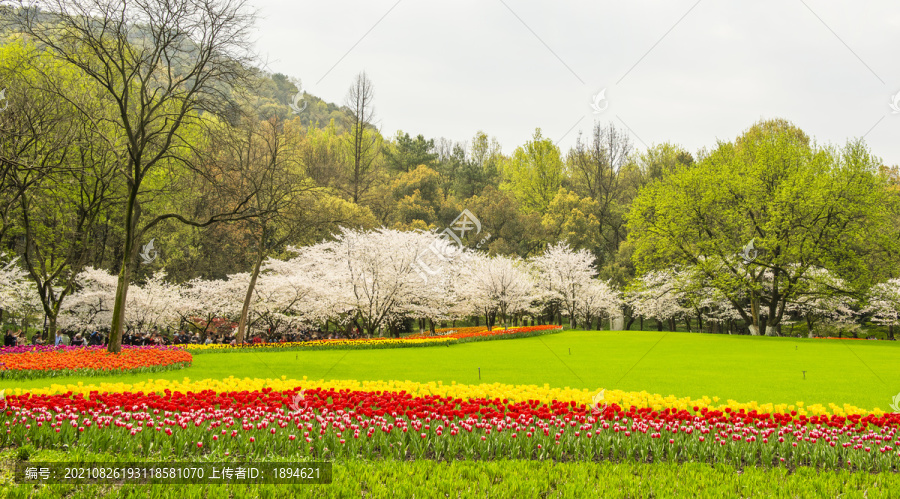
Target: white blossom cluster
<point x="370" y="277"/>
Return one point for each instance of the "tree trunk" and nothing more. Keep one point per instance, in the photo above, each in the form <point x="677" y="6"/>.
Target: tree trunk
<point x="431" y="326"/>
<point x="754" y="315"/>
<point x="118" y="319"/>
<point x="51" y="328"/>
<point x="245" y="310"/>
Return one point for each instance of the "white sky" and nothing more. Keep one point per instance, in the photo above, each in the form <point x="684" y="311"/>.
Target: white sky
<point x="681" y="71"/>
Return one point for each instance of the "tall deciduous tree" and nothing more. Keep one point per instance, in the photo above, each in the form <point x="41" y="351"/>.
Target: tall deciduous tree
<point x="58" y="181"/>
<point x="803" y="207"/>
<point x="364" y="139"/>
<point x="597" y="168"/>
<point x="159" y="63"/>
<point x="534" y="173"/>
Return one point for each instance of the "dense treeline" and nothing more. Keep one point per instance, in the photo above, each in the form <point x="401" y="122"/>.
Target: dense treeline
<point x="155" y="125"/>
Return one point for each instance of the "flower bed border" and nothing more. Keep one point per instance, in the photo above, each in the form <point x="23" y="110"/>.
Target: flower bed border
<point x="269" y="347"/>
<point x="328" y="424"/>
<point x="23" y="374"/>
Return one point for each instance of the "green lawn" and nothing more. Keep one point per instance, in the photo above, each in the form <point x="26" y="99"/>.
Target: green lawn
<point x="743" y="368"/>
<point x="501" y="479"/>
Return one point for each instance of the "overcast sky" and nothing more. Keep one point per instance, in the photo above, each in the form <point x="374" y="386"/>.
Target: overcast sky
<point x="686" y="72"/>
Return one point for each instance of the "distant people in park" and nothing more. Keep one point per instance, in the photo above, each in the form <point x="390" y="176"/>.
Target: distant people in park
<point x="78" y="341"/>
<point x="59" y="338"/>
<point x="9" y="340"/>
<point x="95" y="339"/>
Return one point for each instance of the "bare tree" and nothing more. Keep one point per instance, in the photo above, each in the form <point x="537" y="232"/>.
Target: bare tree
<point x="365" y="142"/>
<point x="160" y="64"/>
<point x="597" y="169"/>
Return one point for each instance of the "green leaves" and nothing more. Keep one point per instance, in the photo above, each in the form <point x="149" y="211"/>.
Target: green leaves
<point x="534" y="174"/>
<point x="806" y="207"/>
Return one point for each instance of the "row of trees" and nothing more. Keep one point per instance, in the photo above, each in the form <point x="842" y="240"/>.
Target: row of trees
<point x="372" y="280"/>
<point x="824" y="303"/>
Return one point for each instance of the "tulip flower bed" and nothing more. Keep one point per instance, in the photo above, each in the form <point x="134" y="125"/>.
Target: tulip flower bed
<point x="38" y="362"/>
<point x="322" y="423"/>
<point x="339" y="344"/>
<point x="375" y="343"/>
<point x="470" y="329"/>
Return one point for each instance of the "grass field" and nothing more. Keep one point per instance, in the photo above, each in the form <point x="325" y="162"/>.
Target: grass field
<point x="504" y="479"/>
<point x="742" y="368"/>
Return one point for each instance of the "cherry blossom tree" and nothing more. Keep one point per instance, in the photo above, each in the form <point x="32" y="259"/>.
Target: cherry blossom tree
<point x="598" y="300"/>
<point x="498" y="285"/>
<point x="884" y="304"/>
<point x="655" y="295"/>
<point x="376" y="274"/>
<point x="153" y="304"/>
<point x="91" y="305"/>
<point x="204" y="301"/>
<point x="18" y="293"/>
<point x="565" y="273"/>
<point x="821" y="299"/>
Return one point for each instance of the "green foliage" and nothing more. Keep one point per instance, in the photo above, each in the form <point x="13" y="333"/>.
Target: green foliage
<point x="534" y="173"/>
<point x="513" y="231"/>
<point x="405" y="153"/>
<point x="572" y="219"/>
<point x="804" y="207"/>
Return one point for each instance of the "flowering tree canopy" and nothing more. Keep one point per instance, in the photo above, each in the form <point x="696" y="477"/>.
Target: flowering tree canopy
<point x="565" y="274"/>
